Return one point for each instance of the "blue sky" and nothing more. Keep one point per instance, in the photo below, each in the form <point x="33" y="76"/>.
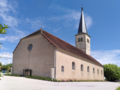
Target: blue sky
<point x="61" y="18"/>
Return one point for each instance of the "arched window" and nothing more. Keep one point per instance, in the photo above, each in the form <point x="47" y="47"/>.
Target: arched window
<point x="88" y="69"/>
<point x="101" y="72"/>
<point x="93" y="70"/>
<point x="81" y="67"/>
<point x="73" y="65"/>
<point x="98" y="71"/>
<point x="81" y="39"/>
<point x="88" y="40"/>
<point x="62" y="68"/>
<point x="78" y="39"/>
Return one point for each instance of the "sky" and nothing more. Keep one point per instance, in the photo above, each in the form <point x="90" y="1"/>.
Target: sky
<point x="61" y="18"/>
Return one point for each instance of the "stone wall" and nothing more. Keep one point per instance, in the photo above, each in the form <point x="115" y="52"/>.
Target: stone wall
<point x="40" y="59"/>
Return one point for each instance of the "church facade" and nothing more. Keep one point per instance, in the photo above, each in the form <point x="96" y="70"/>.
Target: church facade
<point x="43" y="54"/>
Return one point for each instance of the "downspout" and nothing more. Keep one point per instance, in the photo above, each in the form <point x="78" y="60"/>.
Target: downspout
<point x="55" y="63"/>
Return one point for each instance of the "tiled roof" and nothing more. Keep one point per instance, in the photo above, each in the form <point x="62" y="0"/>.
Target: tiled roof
<point x="55" y="41"/>
<point x="67" y="47"/>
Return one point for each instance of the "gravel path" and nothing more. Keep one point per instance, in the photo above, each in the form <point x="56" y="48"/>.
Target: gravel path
<point x="22" y="83"/>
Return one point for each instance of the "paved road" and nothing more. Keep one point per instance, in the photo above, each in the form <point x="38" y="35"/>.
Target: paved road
<point x="21" y="83"/>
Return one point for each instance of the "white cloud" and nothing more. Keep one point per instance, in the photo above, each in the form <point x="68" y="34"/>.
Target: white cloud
<point x="35" y="23"/>
<point x="6" y="7"/>
<point x="71" y="16"/>
<point x="57" y="29"/>
<point x="13" y="38"/>
<point x="106" y="57"/>
<point x="67" y="18"/>
<point x="6" y="57"/>
<point x="88" y="20"/>
<point x="3" y="48"/>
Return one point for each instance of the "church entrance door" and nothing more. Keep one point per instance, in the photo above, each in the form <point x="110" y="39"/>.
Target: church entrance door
<point x="27" y="72"/>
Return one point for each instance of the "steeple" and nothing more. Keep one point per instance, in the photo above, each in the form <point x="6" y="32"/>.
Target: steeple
<point x="82" y="24"/>
<point x="82" y="37"/>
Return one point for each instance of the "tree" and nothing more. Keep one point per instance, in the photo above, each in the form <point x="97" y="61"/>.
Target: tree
<point x="5" y="67"/>
<point x="111" y="72"/>
<point x="0" y="64"/>
<point x="3" y="30"/>
<point x="10" y="65"/>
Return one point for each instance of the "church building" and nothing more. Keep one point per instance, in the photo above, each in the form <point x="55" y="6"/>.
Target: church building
<point x="43" y="54"/>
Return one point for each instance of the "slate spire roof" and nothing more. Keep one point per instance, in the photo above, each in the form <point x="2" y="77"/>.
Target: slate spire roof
<point x="82" y="25"/>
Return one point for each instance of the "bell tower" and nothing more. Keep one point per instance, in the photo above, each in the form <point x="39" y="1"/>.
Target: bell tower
<point x="82" y="37"/>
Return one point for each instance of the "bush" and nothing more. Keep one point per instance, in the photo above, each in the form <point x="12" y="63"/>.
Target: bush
<point x="40" y="78"/>
<point x="4" y="67"/>
<point x="111" y="72"/>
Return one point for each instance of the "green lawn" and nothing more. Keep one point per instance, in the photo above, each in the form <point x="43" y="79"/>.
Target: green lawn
<point x="118" y="88"/>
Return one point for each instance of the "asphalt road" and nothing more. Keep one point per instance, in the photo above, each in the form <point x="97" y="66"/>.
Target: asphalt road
<point x="22" y="83"/>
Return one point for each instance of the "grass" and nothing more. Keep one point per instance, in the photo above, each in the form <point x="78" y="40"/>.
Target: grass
<point x="0" y="71"/>
<point x="118" y="88"/>
<point x="12" y="75"/>
<point x="69" y="80"/>
<point x="40" y="78"/>
<point x="0" y="76"/>
<point x="49" y="79"/>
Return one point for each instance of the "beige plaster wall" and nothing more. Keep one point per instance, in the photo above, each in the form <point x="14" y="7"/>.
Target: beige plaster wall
<point x="84" y="45"/>
<point x="65" y="59"/>
<point x="81" y="45"/>
<point x="40" y="59"/>
<point x="88" y="45"/>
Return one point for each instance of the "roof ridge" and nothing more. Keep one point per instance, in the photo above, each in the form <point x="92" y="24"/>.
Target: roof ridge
<point x="68" y="43"/>
<point x="87" y="56"/>
<point x="49" y="40"/>
<point x="30" y="34"/>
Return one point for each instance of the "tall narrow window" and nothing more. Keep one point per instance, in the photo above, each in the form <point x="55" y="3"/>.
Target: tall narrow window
<point x="81" y="67"/>
<point x="73" y="65"/>
<point x="88" y="40"/>
<point x="98" y="71"/>
<point x="78" y="39"/>
<point x="93" y="70"/>
<point x="88" y="69"/>
<point x="62" y="68"/>
<point x="101" y="72"/>
<point x="81" y="39"/>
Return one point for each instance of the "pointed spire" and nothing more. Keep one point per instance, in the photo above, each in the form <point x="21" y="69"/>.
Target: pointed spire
<point x="82" y="24"/>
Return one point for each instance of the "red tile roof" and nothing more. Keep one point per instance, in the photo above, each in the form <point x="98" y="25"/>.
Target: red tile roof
<point x="67" y="47"/>
<point x="63" y="45"/>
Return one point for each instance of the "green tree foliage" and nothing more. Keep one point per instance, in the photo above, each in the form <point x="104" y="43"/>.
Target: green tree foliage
<point x="111" y="72"/>
<point x="10" y="65"/>
<point x="5" y="67"/>
<point x="0" y="64"/>
<point x="3" y="29"/>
